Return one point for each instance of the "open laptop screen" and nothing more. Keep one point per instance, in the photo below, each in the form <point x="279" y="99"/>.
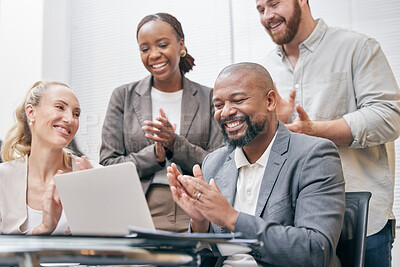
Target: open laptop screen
<point x="104" y="201"/>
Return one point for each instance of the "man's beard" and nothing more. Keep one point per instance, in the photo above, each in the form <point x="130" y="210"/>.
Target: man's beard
<point x="253" y="129"/>
<point x="292" y="27"/>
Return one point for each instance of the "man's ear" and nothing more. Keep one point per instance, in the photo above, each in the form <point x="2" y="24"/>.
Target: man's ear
<point x="270" y="98"/>
<point x="302" y="3"/>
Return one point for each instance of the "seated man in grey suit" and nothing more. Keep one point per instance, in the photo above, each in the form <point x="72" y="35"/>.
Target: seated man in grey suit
<point x="282" y="188"/>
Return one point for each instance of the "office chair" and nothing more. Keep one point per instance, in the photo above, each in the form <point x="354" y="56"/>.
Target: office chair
<point x="351" y="246"/>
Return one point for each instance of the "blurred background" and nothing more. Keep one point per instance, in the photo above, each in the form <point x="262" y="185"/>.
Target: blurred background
<point x="91" y="45"/>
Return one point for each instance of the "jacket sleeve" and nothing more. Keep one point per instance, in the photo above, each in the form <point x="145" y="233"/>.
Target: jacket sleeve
<point x="377" y="119"/>
<point x="317" y="215"/>
<point x="113" y="148"/>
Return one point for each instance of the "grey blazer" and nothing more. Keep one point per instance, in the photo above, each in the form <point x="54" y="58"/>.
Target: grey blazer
<point x="301" y="204"/>
<point x="124" y="140"/>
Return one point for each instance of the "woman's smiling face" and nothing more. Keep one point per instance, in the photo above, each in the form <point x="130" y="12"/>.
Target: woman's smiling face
<point x="56" y="118"/>
<point x="160" y="49"/>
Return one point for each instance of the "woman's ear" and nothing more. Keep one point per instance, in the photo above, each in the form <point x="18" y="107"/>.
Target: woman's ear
<point x="29" y="112"/>
<point x="182" y="44"/>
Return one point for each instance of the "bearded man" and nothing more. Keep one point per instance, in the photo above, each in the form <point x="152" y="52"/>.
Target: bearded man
<point x="282" y="188"/>
<point x="337" y="84"/>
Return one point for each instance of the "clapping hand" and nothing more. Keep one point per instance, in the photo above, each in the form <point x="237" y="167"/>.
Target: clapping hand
<point x="83" y="163"/>
<point x="302" y="123"/>
<point x="52" y="208"/>
<point x="284" y="108"/>
<point x="162" y="132"/>
<point x="203" y="202"/>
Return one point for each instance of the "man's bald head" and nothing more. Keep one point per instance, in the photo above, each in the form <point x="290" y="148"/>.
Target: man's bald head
<point x="244" y="103"/>
<point x="261" y="76"/>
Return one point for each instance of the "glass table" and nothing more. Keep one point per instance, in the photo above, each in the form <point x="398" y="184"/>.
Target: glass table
<point x="143" y="250"/>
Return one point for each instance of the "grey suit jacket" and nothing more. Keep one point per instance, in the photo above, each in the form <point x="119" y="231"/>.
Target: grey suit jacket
<point x="124" y="140"/>
<point x="301" y="204"/>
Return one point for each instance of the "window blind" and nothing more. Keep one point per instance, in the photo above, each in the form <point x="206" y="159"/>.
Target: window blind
<point x="104" y="51"/>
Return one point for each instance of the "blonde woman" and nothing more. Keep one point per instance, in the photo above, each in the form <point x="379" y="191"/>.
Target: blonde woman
<point x="33" y="153"/>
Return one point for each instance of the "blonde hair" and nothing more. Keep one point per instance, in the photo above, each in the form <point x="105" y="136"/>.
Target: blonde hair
<point x="18" y="139"/>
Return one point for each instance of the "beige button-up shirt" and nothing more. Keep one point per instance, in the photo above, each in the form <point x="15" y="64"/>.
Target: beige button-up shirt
<point x="344" y="74"/>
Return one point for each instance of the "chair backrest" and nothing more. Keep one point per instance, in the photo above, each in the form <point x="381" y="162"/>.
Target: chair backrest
<point x="351" y="246"/>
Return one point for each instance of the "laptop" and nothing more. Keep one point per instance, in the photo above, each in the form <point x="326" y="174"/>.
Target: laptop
<point x="104" y="201"/>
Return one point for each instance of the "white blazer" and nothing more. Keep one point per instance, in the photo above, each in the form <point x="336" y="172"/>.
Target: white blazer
<point x="13" y="186"/>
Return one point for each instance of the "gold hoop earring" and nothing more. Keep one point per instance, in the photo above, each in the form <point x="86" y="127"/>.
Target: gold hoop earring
<point x="183" y="53"/>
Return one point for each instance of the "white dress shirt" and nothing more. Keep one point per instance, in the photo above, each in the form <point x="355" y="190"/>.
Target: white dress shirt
<point x="247" y="191"/>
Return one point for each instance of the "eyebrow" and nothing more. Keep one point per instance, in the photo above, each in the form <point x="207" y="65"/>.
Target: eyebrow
<point x="162" y="39"/>
<point x="158" y="40"/>
<point x="268" y="1"/>
<point x="62" y="101"/>
<point x="230" y="96"/>
<point x="258" y="5"/>
<point x="65" y="103"/>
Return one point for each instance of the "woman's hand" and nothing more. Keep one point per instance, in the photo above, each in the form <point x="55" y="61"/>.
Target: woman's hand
<point x="51" y="208"/>
<point x="83" y="163"/>
<point x="163" y="132"/>
<point x="159" y="152"/>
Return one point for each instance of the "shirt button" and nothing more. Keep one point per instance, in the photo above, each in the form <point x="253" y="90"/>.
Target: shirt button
<point x="249" y="192"/>
<point x="296" y="86"/>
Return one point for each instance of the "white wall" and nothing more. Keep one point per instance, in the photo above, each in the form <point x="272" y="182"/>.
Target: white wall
<point x="55" y="65"/>
<point x="33" y="46"/>
<point x="21" y="47"/>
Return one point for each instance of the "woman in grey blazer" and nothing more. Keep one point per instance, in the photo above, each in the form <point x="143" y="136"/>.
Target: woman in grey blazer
<point x="161" y="119"/>
<point x="33" y="152"/>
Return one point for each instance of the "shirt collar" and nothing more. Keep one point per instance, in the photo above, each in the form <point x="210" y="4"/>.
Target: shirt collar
<point x="241" y="160"/>
<point x="312" y="42"/>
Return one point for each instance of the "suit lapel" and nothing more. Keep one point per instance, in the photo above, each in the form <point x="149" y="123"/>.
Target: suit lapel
<point x="142" y="101"/>
<point x="190" y="106"/>
<point x="274" y="166"/>
<point x="228" y="179"/>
